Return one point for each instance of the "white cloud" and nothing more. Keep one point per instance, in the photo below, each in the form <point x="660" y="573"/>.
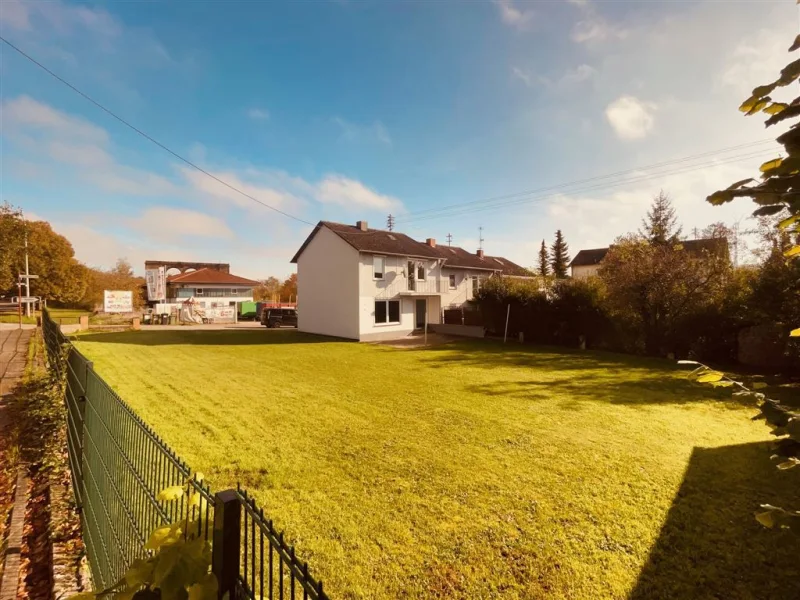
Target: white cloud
<point x="755" y="60"/>
<point x="631" y="118"/>
<point x="258" y="114"/>
<point x="597" y="29"/>
<point x="523" y="76"/>
<point x="14" y="14"/>
<point x="337" y="189"/>
<point x="158" y="221"/>
<point x="276" y="197"/>
<point x="513" y="16"/>
<point x="81" y="155"/>
<point x="24" y="111"/>
<point x="352" y="132"/>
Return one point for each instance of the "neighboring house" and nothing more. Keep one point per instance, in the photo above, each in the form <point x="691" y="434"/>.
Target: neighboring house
<point x="587" y="262"/>
<point x="211" y="288"/>
<point x="370" y="284"/>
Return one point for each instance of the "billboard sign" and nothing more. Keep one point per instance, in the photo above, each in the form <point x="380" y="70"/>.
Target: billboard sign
<point x="156" y="284"/>
<point x="119" y="301"/>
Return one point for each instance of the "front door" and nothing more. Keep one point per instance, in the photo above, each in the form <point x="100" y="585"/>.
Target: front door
<point x="419" y="313"/>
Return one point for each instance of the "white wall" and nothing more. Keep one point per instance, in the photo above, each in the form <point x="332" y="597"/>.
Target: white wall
<point x="327" y="287"/>
<point x="585" y="271"/>
<point x="463" y="291"/>
<point x="393" y="283"/>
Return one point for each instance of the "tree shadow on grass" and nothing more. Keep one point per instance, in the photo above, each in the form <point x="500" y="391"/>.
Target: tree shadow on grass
<point x="223" y="337"/>
<point x="710" y="546"/>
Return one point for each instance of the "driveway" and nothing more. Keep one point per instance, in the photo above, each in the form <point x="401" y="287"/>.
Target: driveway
<point x="13" y="356"/>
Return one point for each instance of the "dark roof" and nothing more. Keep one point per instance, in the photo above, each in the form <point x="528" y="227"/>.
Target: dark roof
<point x="585" y="258"/>
<point x="718" y="246"/>
<point x="458" y="257"/>
<point x="379" y="241"/>
<point x="210" y="276"/>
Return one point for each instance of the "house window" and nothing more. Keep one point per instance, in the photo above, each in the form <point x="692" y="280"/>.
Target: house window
<point x="378" y="267"/>
<point x="234" y="291"/>
<point x="452" y="278"/>
<point x="420" y="272"/>
<point x="476" y="284"/>
<point x="199" y="292"/>
<point x="387" y="311"/>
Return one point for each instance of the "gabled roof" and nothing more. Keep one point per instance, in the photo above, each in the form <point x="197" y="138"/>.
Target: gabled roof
<point x="210" y="276"/>
<point x="458" y="257"/>
<point x="585" y="258"/>
<point x="379" y="241"/>
<point x="716" y="246"/>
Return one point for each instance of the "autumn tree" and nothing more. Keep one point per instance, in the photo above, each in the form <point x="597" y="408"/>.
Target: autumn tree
<point x="654" y="286"/>
<point x="543" y="265"/>
<point x="61" y="277"/>
<point x="289" y="289"/>
<point x="267" y="290"/>
<point x="660" y="226"/>
<point x="11" y="246"/>
<point x="559" y="256"/>
<point x="118" y="277"/>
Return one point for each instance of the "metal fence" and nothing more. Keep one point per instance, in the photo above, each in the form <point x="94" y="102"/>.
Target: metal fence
<point x="119" y="465"/>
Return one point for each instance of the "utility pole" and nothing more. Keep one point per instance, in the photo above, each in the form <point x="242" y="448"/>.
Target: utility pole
<point x="480" y="238"/>
<point x="449" y="239"/>
<point x="390" y="223"/>
<point x="27" y="277"/>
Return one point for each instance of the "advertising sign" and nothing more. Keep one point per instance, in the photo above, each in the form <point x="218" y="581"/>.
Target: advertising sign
<point x="117" y="301"/>
<point x="156" y="284"/>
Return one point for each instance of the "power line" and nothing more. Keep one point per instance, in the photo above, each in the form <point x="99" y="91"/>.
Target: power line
<point x="587" y="180"/>
<point x="148" y="137"/>
<point x="534" y="199"/>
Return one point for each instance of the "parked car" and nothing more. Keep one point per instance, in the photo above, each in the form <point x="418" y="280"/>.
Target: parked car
<point x="279" y="317"/>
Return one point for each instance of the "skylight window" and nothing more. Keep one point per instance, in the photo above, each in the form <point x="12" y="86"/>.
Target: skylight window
<point x="391" y="237"/>
<point x="498" y="261"/>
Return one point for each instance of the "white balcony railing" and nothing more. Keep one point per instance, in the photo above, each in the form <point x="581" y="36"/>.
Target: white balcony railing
<point x="405" y="287"/>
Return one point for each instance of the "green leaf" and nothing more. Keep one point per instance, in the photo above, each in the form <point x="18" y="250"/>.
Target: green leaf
<point x="168" y="559"/>
<point x="763" y="90"/>
<point x="776" y="108"/>
<point x="758" y="106"/>
<point x="720" y="197"/>
<point x="759" y="385"/>
<point x="738" y="184"/>
<point x="795" y="332"/>
<point x="206" y="589"/>
<point x="766" y="518"/>
<point x="168" y="534"/>
<point x="139" y="573"/>
<point x="793" y="251"/>
<point x="788" y="221"/>
<point x="171" y="493"/>
<point x="766" y="211"/>
<point x="710" y="377"/>
<point x="722" y="383"/>
<point x="770" y="165"/>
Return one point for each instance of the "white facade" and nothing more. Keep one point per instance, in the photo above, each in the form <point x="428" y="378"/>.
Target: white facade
<point x="209" y="295"/>
<point x="365" y="296"/>
<point x="327" y="287"/>
<point x="585" y="271"/>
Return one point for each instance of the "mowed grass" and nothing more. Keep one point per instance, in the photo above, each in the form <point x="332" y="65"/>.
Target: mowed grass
<point x="473" y="469"/>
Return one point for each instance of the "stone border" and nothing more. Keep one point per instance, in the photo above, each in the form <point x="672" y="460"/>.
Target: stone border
<point x="10" y="584"/>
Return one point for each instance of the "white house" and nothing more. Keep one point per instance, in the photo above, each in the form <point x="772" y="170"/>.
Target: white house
<point x="370" y="284"/>
<point x="211" y="288"/>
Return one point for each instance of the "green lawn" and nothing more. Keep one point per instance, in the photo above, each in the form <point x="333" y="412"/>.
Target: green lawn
<point x="472" y="470"/>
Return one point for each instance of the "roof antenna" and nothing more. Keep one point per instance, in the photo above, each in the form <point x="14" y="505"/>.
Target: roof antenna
<point x="449" y="239"/>
<point x="390" y="223"/>
<point x="480" y="238"/>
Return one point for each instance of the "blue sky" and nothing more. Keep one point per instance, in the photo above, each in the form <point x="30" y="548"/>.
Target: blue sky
<point x="352" y="110"/>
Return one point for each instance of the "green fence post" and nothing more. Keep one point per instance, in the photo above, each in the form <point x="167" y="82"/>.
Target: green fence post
<point x="225" y="549"/>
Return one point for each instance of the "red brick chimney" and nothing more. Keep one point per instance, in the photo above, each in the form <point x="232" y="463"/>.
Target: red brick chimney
<point x="431" y="242"/>
<point x="480" y="253"/>
<point x="362" y="225"/>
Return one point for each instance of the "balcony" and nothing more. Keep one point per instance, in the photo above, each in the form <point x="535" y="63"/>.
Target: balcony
<point x="415" y="287"/>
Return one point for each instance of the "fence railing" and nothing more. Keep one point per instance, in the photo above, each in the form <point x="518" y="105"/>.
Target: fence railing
<point x="119" y="465"/>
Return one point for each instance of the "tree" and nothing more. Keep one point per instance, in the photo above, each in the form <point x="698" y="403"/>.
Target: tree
<point x="559" y="256"/>
<point x="267" y="290"/>
<point x="11" y="243"/>
<point x="119" y="277"/>
<point x="661" y="224"/>
<point x="543" y="266"/>
<point x="289" y="289"/>
<point x="653" y="287"/>
<point x="61" y="277"/>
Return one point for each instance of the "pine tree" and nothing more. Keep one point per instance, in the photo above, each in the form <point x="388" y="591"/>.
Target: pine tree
<point x="544" y="261"/>
<point x="559" y="256"/>
<point x="661" y="225"/>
